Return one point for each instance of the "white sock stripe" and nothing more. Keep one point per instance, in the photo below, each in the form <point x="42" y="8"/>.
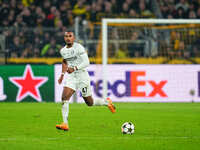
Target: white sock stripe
<point x="99" y="102"/>
<point x="65" y="110"/>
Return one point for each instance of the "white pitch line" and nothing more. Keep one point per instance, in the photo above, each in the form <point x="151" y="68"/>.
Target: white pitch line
<point x="8" y="139"/>
<point x="100" y="138"/>
<point x="132" y="136"/>
<point x="26" y="139"/>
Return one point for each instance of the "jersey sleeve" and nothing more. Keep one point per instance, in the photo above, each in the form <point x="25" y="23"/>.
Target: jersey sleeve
<point x="81" y="50"/>
<point x="61" y="53"/>
<point x="84" y="57"/>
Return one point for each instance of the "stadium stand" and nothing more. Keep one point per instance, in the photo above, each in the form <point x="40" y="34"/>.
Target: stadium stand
<point x="28" y="25"/>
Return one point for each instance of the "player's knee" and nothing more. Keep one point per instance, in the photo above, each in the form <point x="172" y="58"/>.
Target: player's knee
<point x="65" y="97"/>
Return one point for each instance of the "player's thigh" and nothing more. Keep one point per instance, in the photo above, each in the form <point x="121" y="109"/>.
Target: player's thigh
<point x="69" y="87"/>
<point x="84" y="84"/>
<point x="67" y="93"/>
<point x="85" y="89"/>
<point x="70" y="82"/>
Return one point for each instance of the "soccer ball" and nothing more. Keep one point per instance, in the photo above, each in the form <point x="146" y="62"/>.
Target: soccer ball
<point x="128" y="128"/>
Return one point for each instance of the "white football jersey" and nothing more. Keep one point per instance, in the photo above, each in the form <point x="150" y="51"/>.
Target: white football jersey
<point x="72" y="54"/>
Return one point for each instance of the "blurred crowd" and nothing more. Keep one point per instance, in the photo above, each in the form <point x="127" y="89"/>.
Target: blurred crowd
<point x="184" y="9"/>
<point x="58" y="13"/>
<point x="34" y="28"/>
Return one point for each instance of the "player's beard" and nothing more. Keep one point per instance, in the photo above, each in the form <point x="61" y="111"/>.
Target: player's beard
<point x="69" y="44"/>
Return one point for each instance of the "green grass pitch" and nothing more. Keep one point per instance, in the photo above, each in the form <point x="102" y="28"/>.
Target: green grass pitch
<point x="158" y="126"/>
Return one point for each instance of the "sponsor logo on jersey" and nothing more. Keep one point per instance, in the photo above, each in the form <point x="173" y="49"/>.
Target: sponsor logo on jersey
<point x="71" y="59"/>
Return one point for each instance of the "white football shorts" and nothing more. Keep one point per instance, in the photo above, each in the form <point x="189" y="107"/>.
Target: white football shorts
<point x="79" y="80"/>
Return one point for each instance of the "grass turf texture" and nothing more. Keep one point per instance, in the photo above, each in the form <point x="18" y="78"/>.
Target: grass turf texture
<point x="163" y="126"/>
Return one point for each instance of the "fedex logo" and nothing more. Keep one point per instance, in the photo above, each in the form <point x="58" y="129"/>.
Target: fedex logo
<point x="131" y="84"/>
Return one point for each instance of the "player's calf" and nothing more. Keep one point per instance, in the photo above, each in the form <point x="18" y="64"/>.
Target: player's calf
<point x="89" y="100"/>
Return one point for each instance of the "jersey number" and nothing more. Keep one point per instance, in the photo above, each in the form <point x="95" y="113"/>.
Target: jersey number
<point x="84" y="90"/>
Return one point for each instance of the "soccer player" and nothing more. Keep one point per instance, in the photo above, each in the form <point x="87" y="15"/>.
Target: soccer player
<point x="75" y="61"/>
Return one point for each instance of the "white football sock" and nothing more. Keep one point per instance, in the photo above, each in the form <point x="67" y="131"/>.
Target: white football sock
<point x="99" y="102"/>
<point x="65" y="111"/>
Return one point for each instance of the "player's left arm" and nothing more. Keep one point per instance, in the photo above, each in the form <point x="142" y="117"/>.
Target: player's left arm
<point x="84" y="63"/>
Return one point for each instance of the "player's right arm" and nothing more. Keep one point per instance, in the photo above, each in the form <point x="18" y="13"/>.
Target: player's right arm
<point x="64" y="70"/>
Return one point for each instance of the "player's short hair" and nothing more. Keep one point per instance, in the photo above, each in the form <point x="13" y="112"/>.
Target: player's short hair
<point x="69" y="31"/>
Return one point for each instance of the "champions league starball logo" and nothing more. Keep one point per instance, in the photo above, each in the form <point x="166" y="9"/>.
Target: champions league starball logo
<point x="28" y="85"/>
<point x="2" y="95"/>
